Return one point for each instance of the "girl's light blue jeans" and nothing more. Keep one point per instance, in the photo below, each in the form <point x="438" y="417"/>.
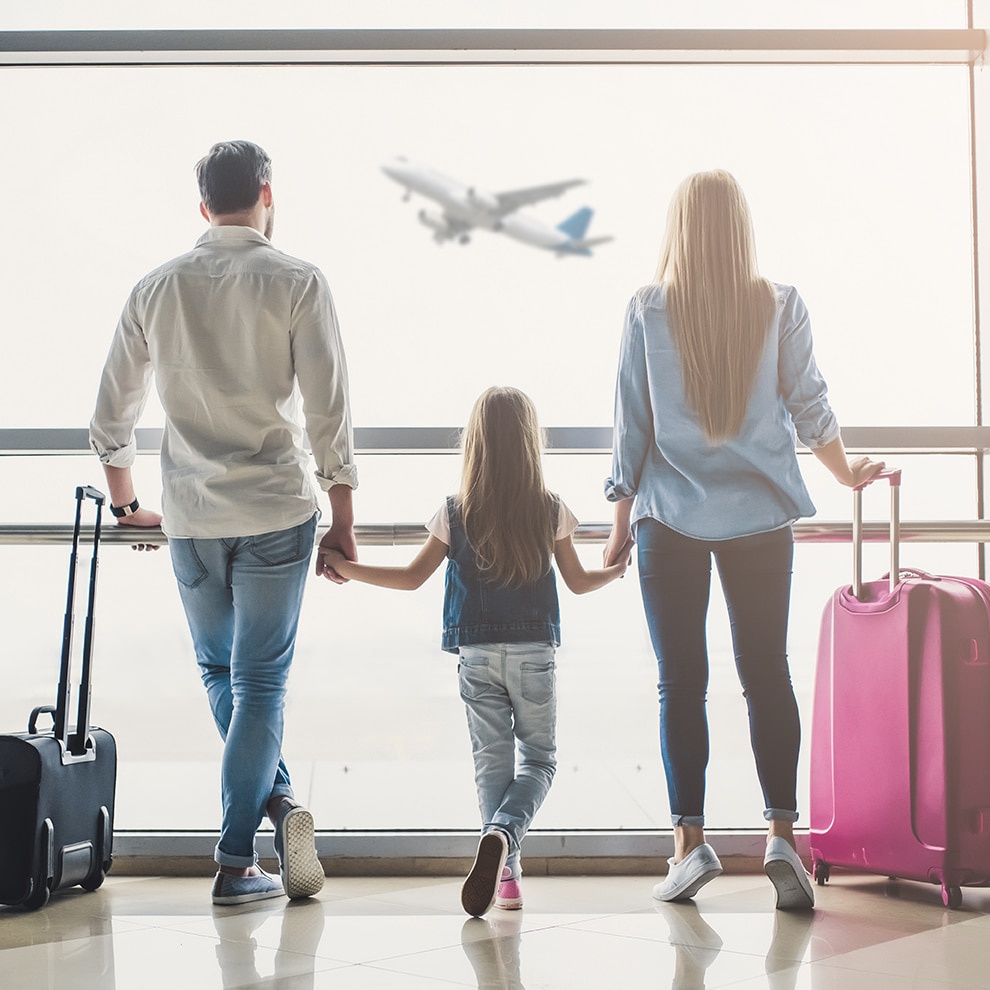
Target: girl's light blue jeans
<point x="242" y="598"/>
<point x="510" y="696"/>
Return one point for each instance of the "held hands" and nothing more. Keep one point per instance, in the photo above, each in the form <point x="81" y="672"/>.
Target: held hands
<point x="338" y="545"/>
<point x="327" y="564"/>
<point x="618" y="549"/>
<point x="142" y="519"/>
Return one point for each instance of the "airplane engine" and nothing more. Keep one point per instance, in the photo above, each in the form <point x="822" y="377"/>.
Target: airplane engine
<point x="436" y="222"/>
<point x="482" y="201"/>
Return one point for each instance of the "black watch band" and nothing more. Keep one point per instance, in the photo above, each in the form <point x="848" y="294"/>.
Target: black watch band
<point x="125" y="510"/>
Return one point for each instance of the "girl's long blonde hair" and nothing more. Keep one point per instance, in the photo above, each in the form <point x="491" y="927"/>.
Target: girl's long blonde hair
<point x="508" y="514"/>
<point x="720" y="308"/>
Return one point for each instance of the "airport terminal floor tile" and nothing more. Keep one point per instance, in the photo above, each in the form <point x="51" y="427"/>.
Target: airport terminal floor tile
<point x="607" y="933"/>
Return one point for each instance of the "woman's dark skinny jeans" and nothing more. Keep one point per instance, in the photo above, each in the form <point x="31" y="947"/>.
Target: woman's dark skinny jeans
<point x="755" y="572"/>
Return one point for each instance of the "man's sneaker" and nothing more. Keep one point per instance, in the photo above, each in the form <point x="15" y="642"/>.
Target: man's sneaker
<point x="295" y="845"/>
<point x="229" y="889"/>
<point x="509" y="895"/>
<point x="481" y="884"/>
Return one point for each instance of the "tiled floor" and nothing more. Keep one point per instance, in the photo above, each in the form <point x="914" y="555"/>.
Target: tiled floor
<point x="604" y="933"/>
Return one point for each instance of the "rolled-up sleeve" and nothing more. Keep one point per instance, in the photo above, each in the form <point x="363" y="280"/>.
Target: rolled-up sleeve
<point x="632" y="432"/>
<point x="123" y="392"/>
<point x="801" y="385"/>
<point x="321" y="370"/>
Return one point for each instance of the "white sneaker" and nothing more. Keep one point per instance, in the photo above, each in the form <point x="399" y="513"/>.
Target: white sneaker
<point x="787" y="874"/>
<point x="686" y="878"/>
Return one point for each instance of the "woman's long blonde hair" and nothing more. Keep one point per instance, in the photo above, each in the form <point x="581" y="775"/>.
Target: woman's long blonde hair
<point x="507" y="512"/>
<point x="720" y="308"/>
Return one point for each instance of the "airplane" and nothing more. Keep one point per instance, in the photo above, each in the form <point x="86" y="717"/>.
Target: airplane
<point x="465" y="208"/>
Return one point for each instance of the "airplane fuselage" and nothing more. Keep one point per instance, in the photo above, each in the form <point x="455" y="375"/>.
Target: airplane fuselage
<point x="470" y="207"/>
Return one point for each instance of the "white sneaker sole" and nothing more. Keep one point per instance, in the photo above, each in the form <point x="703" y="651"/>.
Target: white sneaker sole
<point x="792" y="893"/>
<point x="302" y="873"/>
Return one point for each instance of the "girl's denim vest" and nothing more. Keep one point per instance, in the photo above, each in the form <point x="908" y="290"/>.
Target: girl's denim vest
<point x="477" y="611"/>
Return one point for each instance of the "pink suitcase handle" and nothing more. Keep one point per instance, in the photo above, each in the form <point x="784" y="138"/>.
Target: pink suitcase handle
<point x="892" y="475"/>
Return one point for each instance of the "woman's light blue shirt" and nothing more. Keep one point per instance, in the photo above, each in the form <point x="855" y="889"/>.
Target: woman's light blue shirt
<point x="661" y="456"/>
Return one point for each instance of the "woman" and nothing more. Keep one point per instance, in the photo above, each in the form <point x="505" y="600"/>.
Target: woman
<point x="716" y="377"/>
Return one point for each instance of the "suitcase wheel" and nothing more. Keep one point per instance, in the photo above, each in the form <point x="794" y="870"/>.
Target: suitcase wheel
<point x="822" y="872"/>
<point x="93" y="882"/>
<point x="952" y="897"/>
<point x="38" y="897"/>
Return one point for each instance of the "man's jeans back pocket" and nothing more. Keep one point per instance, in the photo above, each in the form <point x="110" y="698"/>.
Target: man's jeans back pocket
<point x="189" y="569"/>
<point x="285" y="546"/>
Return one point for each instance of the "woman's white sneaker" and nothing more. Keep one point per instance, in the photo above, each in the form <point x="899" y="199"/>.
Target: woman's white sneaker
<point x="686" y="878"/>
<point x="787" y="874"/>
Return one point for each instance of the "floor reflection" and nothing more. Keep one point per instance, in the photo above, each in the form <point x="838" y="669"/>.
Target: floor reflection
<point x="576" y="933"/>
<point x="696" y="943"/>
<point x="492" y="946"/>
<point x="299" y="939"/>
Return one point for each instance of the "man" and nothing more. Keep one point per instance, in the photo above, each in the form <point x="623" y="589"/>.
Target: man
<point x="235" y="332"/>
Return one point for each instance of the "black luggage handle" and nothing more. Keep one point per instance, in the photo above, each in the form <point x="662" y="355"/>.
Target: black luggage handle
<point x="75" y="746"/>
<point x="33" y="718"/>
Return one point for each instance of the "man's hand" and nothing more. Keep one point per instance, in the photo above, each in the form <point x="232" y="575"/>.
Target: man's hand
<point x="142" y="519"/>
<point x="341" y="539"/>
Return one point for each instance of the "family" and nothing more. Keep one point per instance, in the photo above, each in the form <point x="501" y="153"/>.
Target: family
<point x="716" y="379"/>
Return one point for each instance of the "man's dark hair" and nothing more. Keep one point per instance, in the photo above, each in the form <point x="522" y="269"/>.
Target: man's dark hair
<point x="231" y="176"/>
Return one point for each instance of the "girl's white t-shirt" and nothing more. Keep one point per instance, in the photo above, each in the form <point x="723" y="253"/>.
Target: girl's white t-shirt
<point x="439" y="525"/>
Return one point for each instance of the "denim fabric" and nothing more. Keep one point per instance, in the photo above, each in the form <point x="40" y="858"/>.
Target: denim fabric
<point x="510" y="696"/>
<point x="755" y="572"/>
<point x="749" y="484"/>
<point x="242" y="598"/>
<point x="477" y="611"/>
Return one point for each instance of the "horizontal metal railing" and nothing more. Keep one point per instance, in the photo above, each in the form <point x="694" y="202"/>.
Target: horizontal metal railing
<point x="410" y="534"/>
<point x="560" y="440"/>
<point x="492" y="46"/>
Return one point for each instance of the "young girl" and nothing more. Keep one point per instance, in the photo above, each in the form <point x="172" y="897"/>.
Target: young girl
<point x="501" y="617"/>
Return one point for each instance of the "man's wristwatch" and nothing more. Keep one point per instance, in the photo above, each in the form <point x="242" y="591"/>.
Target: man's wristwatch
<point x="125" y="510"/>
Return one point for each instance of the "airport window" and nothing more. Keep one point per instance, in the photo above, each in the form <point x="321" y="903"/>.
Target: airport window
<point x="858" y="177"/>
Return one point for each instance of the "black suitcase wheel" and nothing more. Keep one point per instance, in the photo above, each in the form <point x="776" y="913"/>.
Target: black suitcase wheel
<point x="952" y="897"/>
<point x="93" y="882"/>
<point x="38" y="897"/>
<point x="822" y="872"/>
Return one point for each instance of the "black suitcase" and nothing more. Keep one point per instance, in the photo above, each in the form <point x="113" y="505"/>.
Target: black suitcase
<point x="57" y="787"/>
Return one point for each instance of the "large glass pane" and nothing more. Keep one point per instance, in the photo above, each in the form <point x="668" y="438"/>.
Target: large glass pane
<point x="857" y="177"/>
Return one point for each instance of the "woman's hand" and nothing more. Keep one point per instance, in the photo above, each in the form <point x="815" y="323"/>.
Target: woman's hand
<point x="862" y="471"/>
<point x="618" y="548"/>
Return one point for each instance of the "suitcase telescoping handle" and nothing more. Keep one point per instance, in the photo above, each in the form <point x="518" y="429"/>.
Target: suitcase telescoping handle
<point x="74" y="746"/>
<point x="894" y="477"/>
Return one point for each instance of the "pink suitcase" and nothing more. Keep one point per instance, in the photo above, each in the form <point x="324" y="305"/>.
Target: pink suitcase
<point x="900" y="735"/>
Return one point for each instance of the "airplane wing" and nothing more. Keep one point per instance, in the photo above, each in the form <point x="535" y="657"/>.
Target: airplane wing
<point x="444" y="226"/>
<point x="517" y="198"/>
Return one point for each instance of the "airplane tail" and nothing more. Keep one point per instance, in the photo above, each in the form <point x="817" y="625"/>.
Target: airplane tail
<point x="576" y="225"/>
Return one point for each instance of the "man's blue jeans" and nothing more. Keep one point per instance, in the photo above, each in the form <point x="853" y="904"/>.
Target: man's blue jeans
<point x="675" y="577"/>
<point x="242" y="597"/>
<point x="509" y="692"/>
